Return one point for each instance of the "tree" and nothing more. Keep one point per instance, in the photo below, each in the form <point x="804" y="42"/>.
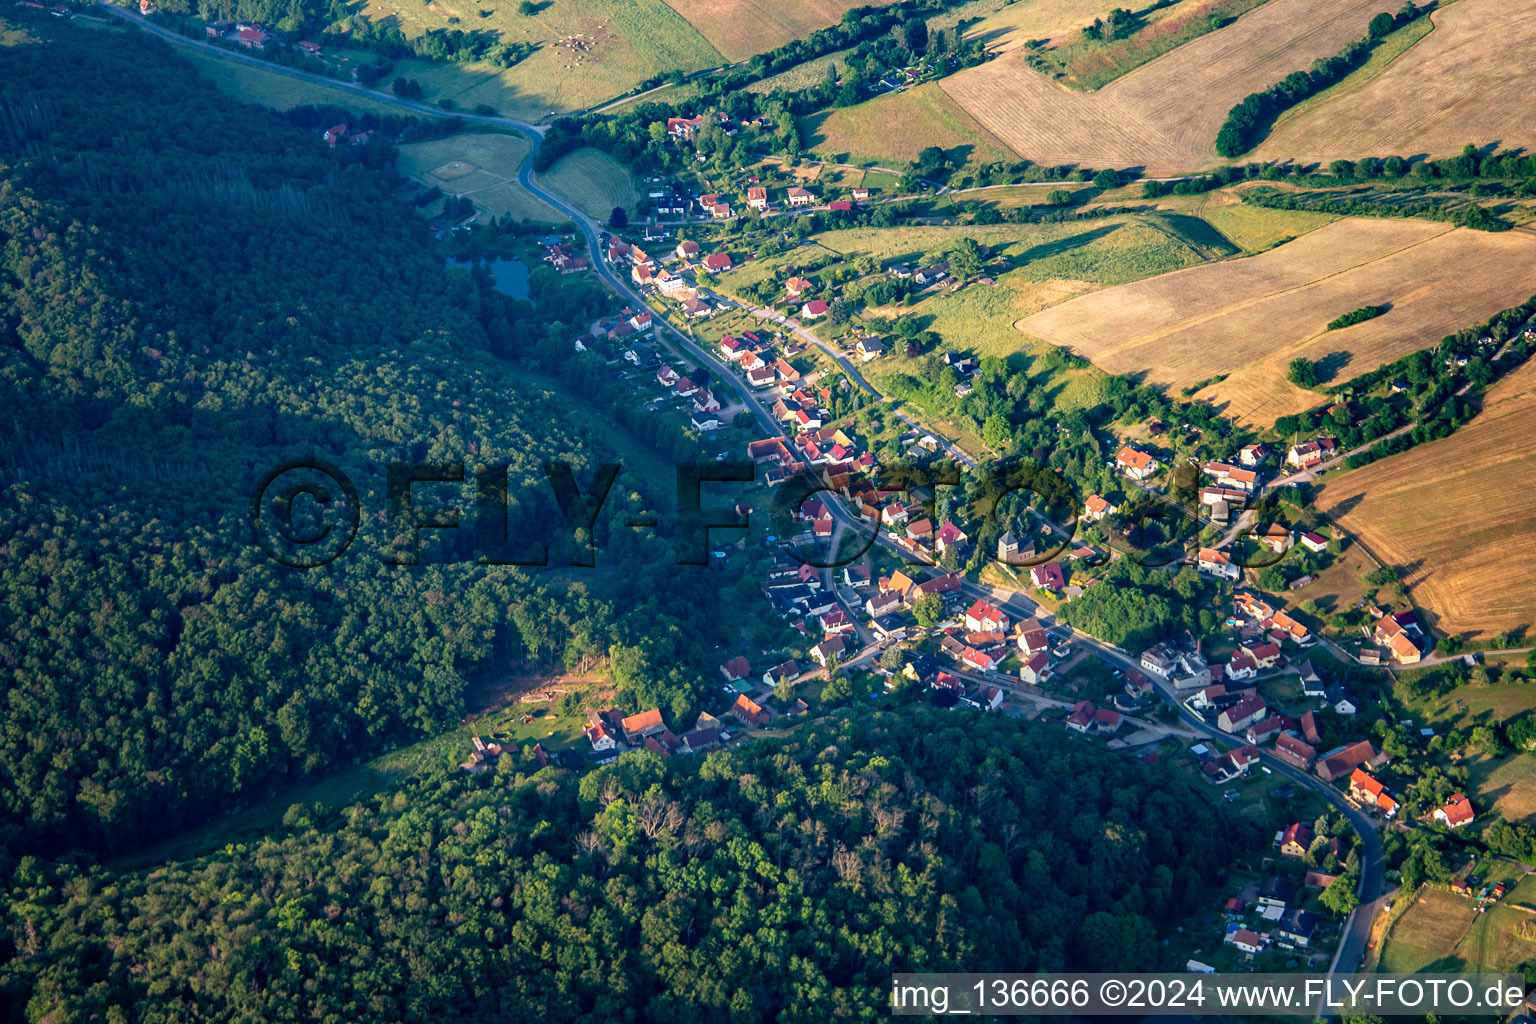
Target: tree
<point x="929" y="610"/>
<point x="1107" y="179"/>
<point x="892" y="659"/>
<point x="527" y="8"/>
<point x="965" y="259"/>
<point x="1380" y="25"/>
<point x="1340" y="896"/>
<point x="1058" y="197"/>
<point x="618" y="219"/>
<point x="1302" y="372"/>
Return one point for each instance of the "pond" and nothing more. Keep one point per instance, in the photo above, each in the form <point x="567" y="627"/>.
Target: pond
<point x="511" y="276"/>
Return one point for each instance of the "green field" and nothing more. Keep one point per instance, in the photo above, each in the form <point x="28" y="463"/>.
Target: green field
<point x="1256" y="228"/>
<point x="926" y="116"/>
<point x="589" y="51"/>
<point x="594" y="181"/>
<point x="274" y="89"/>
<point x="481" y="166"/>
<point x="1440" y="931"/>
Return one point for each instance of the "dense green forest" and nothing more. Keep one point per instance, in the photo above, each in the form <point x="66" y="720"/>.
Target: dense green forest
<point x="784" y="880"/>
<point x="193" y="291"/>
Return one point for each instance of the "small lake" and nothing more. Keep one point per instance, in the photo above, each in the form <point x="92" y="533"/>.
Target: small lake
<point x="511" y="276"/>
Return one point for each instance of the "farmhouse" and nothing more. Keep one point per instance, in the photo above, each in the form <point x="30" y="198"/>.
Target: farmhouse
<point x="646" y="723"/>
<point x="1294" y="752"/>
<point x="1336" y="763"/>
<point x="1241" y="715"/>
<point x="1368" y="792"/>
<point x="860" y="194"/>
<point x="1232" y="476"/>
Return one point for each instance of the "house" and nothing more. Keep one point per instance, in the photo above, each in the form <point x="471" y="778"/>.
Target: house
<point x="1343" y="700"/>
<point x="840" y="206"/>
<point x="1136" y="464"/>
<point x="646" y="723"/>
<point x="1048" y="576"/>
<point x="717" y="262"/>
<point x="1297" y="927"/>
<point x="787" y="374"/>
<point x="748" y="712"/>
<point x="1097" y="507"/>
<point x="761" y="377"/>
<point x="701" y="739"/>
<point x="695" y="308"/>
<point x="687" y="250"/>
<point x="920" y="531"/>
<point x="684" y="127"/>
<point x="813" y="309"/>
<point x="1246" y="940"/>
<point x="1312" y="684"/>
<point x="1253" y="455"/>
<point x="1368" y="792"/>
<point x="836" y="621"/>
<point x="736" y="669"/>
<point x="987" y="697"/>
<point x="1296" y="840"/>
<point x="1217" y="564"/>
<point x="1310" y="453"/>
<point x="869" y="348"/>
<point x="1455" y="812"/>
<point x="1399" y="633"/>
<point x="720" y="211"/>
<point x="1295" y="752"/>
<point x="1262" y="731"/>
<point x="757" y="198"/>
<point x="1286" y="628"/>
<point x="950" y="536"/>
<point x="828" y="650"/>
<point x="800" y="197"/>
<point x="888" y="627"/>
<point x="1337" y="763"/>
<point x="931" y="275"/>
<point x="1309" y="728"/>
<point x="304" y="45"/>
<point x="1314" y="542"/>
<point x="886" y="602"/>
<point x="860" y="194"/>
<point x="335" y="134"/>
<point x="703" y="422"/>
<point x="776" y="675"/>
<point x="253" y="38"/>
<point x="1185" y="669"/>
<point x="982" y="617"/>
<point x="1275" y="537"/>
<point x="1277" y="892"/>
<point x="798" y="286"/>
<point x="670" y="283"/>
<point x="1241" y="715"/>
<point x="643" y="275"/>
<point x="1036" y="670"/>
<point x="1233" y="477"/>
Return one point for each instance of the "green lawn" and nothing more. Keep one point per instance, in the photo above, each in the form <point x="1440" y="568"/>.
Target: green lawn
<point x="594" y="181"/>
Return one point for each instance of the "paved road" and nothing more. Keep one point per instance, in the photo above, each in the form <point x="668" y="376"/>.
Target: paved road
<point x="1353" y="944"/>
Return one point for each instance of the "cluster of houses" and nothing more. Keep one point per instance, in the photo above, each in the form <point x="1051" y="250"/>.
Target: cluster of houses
<point x="1310" y="454"/>
<point x="611" y="733"/>
<point x="1398" y="635"/>
<point x="565" y="257"/>
<point x="1262" y="916"/>
<point x="763" y="366"/>
<point x="1233" y="485"/>
<point x="674" y="277"/>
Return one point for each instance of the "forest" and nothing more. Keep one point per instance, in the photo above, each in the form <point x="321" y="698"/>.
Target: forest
<point x="784" y="880"/>
<point x="193" y="291"/>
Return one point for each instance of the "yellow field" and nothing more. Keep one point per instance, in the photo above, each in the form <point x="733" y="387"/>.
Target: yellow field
<point x="589" y="51"/>
<point x="894" y="128"/>
<point x="1164" y="115"/>
<point x="1250" y="317"/>
<point x="1456" y="85"/>
<point x="1018" y="23"/>
<point x="481" y="166"/>
<point x="1457" y="516"/>
<point x="1428" y="931"/>
<point x="594" y="181"/>
<point x="741" y="28"/>
<point x="1507" y="785"/>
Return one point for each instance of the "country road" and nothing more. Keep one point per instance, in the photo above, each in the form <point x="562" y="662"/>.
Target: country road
<point x="1352" y="945"/>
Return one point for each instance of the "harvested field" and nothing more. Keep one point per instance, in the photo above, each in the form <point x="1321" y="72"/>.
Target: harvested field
<point x="741" y="28"/>
<point x="926" y="116"/>
<point x="481" y="166"/>
<point x="1456" y="85"/>
<point x="1164" y="115"/>
<point x="594" y="181"/>
<point x="1018" y="23"/>
<point x="1507" y="785"/>
<point x="1457" y="516"/>
<point x="1250" y="317"/>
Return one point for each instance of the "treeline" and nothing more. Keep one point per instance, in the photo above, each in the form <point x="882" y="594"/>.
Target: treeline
<point x="1471" y="215"/>
<point x="1356" y="316"/>
<point x="172" y="344"/>
<point x="781" y="881"/>
<point x="1249" y="121"/>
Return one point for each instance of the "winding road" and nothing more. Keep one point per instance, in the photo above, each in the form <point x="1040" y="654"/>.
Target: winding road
<point x="1357" y="929"/>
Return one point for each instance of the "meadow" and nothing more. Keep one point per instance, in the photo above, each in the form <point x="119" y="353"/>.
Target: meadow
<point x="1457" y="516"/>
<point x="1248" y="318"/>
<point x="1164" y="115"/>
<point x="589" y="51"/>
<point x="1454" y="85"/>
<point x="741" y="28"/>
<point x="251" y="84"/>
<point x="481" y="166"/>
<point x="592" y="180"/>
<point x="892" y="129"/>
<point x="1441" y="932"/>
